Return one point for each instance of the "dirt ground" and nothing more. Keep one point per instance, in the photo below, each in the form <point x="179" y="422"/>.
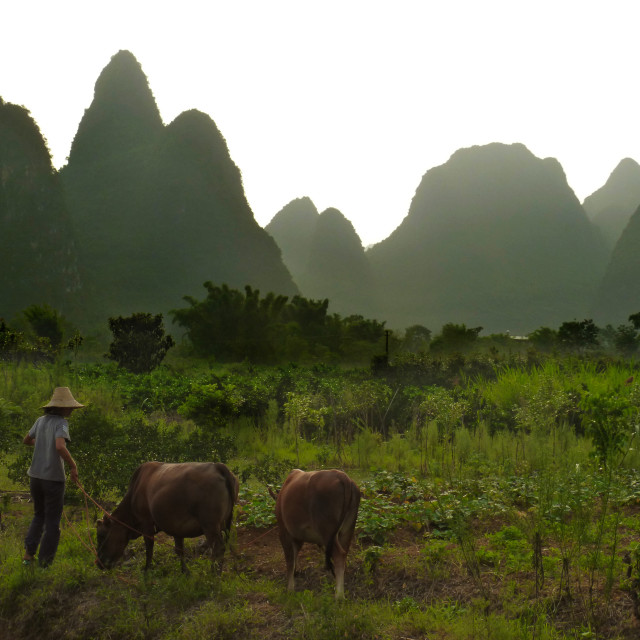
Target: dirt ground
<point x="404" y="571"/>
<point x="401" y="573"/>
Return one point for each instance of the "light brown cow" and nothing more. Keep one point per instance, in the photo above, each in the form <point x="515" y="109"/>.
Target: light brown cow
<point x="320" y="507"/>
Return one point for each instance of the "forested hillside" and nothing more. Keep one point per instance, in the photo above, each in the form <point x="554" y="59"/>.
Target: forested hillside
<point x="611" y="206"/>
<point x="495" y="237"/>
<point x="144" y="214"/>
<point x="293" y="228"/>
<point x="619" y="293"/>
<point x="159" y="210"/>
<point x="38" y="259"/>
<point x="325" y="256"/>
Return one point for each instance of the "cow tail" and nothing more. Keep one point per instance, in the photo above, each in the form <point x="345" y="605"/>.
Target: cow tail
<point x="328" y="552"/>
<point x="232" y="489"/>
<point x="351" y="493"/>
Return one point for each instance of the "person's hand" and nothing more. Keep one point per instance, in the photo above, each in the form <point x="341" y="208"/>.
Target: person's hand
<point x="74" y="474"/>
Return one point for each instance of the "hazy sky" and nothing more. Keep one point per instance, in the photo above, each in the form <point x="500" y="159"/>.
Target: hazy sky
<point x="347" y="102"/>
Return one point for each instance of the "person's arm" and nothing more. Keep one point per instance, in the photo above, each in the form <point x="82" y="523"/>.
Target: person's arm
<point x="63" y="452"/>
<point x="29" y="441"/>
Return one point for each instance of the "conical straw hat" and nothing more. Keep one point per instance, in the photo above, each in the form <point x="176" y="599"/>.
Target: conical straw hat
<point x="62" y="398"/>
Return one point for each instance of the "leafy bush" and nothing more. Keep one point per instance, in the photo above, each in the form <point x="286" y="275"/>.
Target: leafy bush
<point x="268" y="470"/>
<point x="255" y="508"/>
<point x="214" y="404"/>
<point x="47" y="323"/>
<point x="232" y="325"/>
<point x="139" y="343"/>
<point x="377" y="519"/>
<point x="15" y="346"/>
<point x="10" y="432"/>
<point x="609" y="419"/>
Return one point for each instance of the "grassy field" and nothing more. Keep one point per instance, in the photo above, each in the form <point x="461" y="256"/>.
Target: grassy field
<point x="406" y="578"/>
<point x="494" y="507"/>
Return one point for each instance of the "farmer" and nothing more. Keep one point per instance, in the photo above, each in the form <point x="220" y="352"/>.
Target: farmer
<point x="49" y="436"/>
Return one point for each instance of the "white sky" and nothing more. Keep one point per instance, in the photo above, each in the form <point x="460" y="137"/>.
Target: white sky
<point x="348" y="102"/>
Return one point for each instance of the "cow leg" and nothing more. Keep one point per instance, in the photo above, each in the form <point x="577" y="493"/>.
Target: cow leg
<point x="341" y="548"/>
<point x="291" y="549"/>
<point x="215" y="539"/>
<point x="179" y="547"/>
<point x="148" y="544"/>
<point x="339" y="557"/>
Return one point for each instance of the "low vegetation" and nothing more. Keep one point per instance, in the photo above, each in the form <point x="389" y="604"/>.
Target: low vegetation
<point x="500" y="496"/>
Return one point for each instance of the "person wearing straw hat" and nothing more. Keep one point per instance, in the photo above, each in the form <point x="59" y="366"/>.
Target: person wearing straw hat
<point x="49" y="436"/>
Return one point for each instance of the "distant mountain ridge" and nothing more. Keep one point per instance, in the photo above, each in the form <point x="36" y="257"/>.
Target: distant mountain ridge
<point x="293" y="228"/>
<point x="160" y="209"/>
<point x="38" y="259"/>
<point x="612" y="206"/>
<point x="495" y="238"/>
<point x="123" y="114"/>
<point x="144" y="213"/>
<point x="619" y="293"/>
<point x="325" y="256"/>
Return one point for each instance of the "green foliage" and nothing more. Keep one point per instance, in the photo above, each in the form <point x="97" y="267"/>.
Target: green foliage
<point x="268" y="470"/>
<point x="15" y="345"/>
<point x="371" y="557"/>
<point x="611" y="420"/>
<point x="234" y="326"/>
<point x="578" y="335"/>
<point x="360" y="329"/>
<point x="416" y="339"/>
<point x="46" y="323"/>
<point x="216" y="403"/>
<point x="231" y="325"/>
<point x="583" y="336"/>
<point x="39" y="334"/>
<point x="634" y="319"/>
<point x="377" y="519"/>
<point x="38" y="259"/>
<point x="626" y="339"/>
<point x="11" y="342"/>
<point x="455" y="337"/>
<point x="517" y="503"/>
<point x="162" y="389"/>
<point x="543" y="338"/>
<point x="255" y="508"/>
<point x="10" y="431"/>
<point x="139" y="342"/>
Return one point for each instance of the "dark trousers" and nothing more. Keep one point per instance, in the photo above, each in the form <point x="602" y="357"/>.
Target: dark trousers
<point x="48" y="501"/>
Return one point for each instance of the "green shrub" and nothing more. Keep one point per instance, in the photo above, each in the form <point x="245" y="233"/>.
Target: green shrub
<point x="139" y="342"/>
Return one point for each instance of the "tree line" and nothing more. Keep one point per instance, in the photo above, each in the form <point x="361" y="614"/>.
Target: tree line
<point x="230" y="325"/>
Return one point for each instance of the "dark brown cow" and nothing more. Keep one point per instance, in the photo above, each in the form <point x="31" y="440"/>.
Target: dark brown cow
<point x="320" y="507"/>
<point x="185" y="500"/>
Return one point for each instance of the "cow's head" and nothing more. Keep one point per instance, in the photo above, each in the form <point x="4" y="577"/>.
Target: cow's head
<point x="112" y="539"/>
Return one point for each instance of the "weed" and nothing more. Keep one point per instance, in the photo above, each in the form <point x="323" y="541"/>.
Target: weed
<point x="371" y="558"/>
<point x="255" y="508"/>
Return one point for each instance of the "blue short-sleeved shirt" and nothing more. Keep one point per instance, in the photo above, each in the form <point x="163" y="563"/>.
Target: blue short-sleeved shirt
<point x="47" y="463"/>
